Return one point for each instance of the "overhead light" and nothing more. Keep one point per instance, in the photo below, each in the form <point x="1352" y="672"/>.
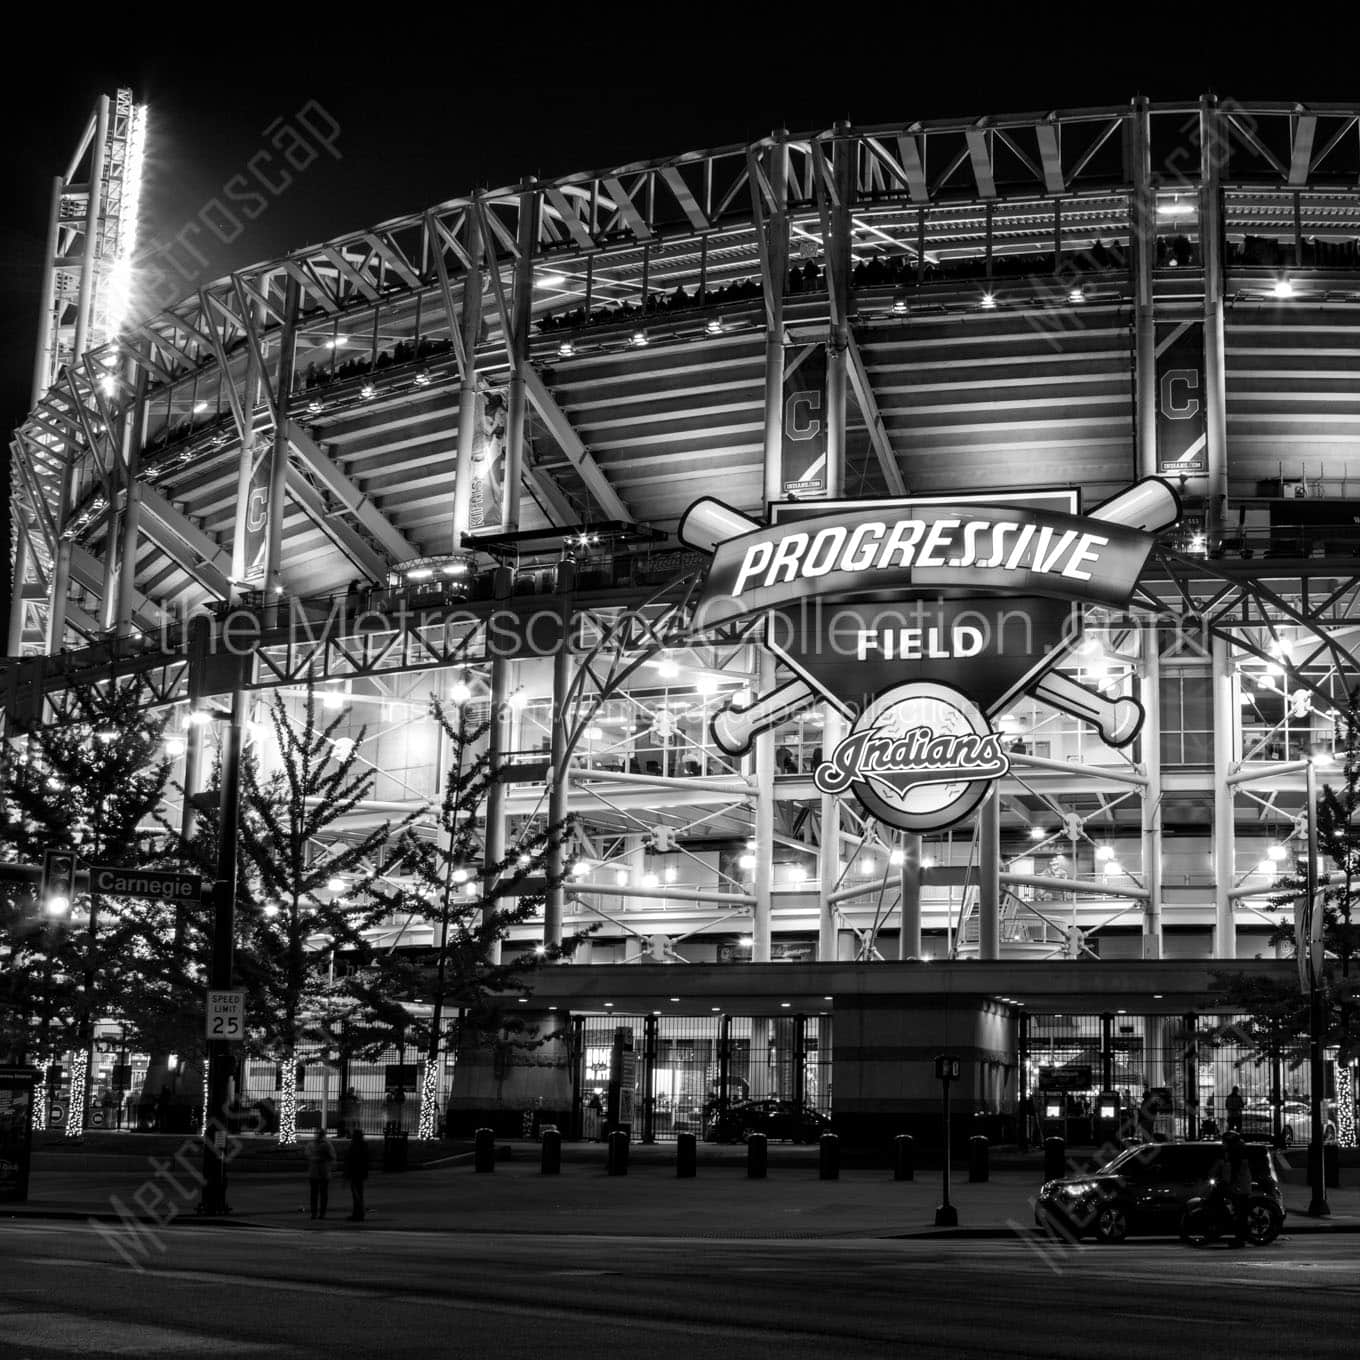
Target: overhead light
<point x="667" y="669"/>
<point x="621" y="877"/>
<point x="333" y="700"/>
<point x="608" y="1003"/>
<point x="271" y="908"/>
<point x="650" y="880"/>
<point x="199" y="716"/>
<point x="1283" y="288"/>
<point x="1112" y="868"/>
<point x="518" y="699"/>
<point x="57" y="904"/>
<point x="675" y="998"/>
<point x="897" y="857"/>
<point x="174" y="746"/>
<point x="786" y="1004"/>
<point x="200" y="407"/>
<point x="458" y="568"/>
<point x="566" y="350"/>
<point x="868" y="868"/>
<point x="460" y="875"/>
<point x="1277" y="852"/>
<point x="1266" y="868"/>
<point x="747" y="861"/>
<point x="342" y="746"/>
<point x="1036" y="833"/>
<point x="335" y="884"/>
<point x="639" y="340"/>
<point x="715" y="326"/>
<point x="747" y="941"/>
<point x="1174" y="208"/>
<point x="927" y="861"/>
<point x="988" y="302"/>
<point x="1104" y="852"/>
<point x="581" y="869"/>
<point x="540" y="949"/>
<point x="899" y="304"/>
<point x="337" y="342"/>
<point x="423" y="378"/>
<point x="549" y="279"/>
<point x="107" y="734"/>
<point x="314" y="408"/>
<point x="1078" y="294"/>
<point x="419" y="573"/>
<point x="461" y="691"/>
<point x="672" y="873"/>
<point x="368" y="391"/>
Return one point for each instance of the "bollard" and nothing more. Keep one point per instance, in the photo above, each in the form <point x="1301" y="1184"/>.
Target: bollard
<point x="978" y="1169"/>
<point x="1331" y="1166"/>
<point x="686" y="1156"/>
<point x="903" y="1167"/>
<point x="829" y="1157"/>
<point x="757" y="1156"/>
<point x="1055" y="1159"/>
<point x="552" y="1153"/>
<point x="618" y="1153"/>
<point x="484" y="1150"/>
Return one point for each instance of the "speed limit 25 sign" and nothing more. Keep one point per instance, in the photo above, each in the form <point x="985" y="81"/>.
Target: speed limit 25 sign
<point x="226" y="1016"/>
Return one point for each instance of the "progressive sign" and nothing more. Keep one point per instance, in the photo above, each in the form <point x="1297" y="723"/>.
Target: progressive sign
<point x="921" y="619"/>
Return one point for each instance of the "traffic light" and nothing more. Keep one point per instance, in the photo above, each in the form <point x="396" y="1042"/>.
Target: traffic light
<point x="58" y="881"/>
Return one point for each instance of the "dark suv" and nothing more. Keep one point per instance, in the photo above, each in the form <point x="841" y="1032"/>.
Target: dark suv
<point x="1144" y="1190"/>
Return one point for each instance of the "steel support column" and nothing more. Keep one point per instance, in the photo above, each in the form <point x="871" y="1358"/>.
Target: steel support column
<point x="1213" y="153"/>
<point x="763" y="874"/>
<point x="1144" y="241"/>
<point x="839" y="265"/>
<point x="777" y="253"/>
<point x="1225" y="714"/>
<point x="278" y="467"/>
<point x="650" y="1046"/>
<point x="521" y="314"/>
<point x="134" y="428"/>
<point x="559" y="786"/>
<point x="909" y="936"/>
<point x="471" y="320"/>
<point x="15" y="643"/>
<point x="88" y="282"/>
<point x="1151" y="794"/>
<point x="829" y="854"/>
<point x="989" y="876"/>
<point x="44" y="356"/>
<point x="498" y="746"/>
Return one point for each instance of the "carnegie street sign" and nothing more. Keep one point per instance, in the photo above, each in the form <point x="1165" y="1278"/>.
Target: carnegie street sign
<point x="161" y="885"/>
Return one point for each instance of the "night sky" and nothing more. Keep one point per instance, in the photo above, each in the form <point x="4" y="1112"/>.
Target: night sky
<point x="426" y="113"/>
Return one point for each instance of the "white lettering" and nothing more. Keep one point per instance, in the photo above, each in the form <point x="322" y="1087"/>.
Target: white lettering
<point x="756" y="560"/>
<point x="821" y="556"/>
<point x="1084" y="553"/>
<point x="937" y="540"/>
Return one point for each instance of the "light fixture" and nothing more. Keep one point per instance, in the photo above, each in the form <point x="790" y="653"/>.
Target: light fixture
<point x="57" y="904"/>
<point x="621" y="877"/>
<point x="461" y="691"/>
<point x="786" y="1004"/>
<point x="868" y="868"/>
<point x="1112" y="868"/>
<point x="594" y="733"/>
<point x="1036" y="833"/>
<point x="174" y="746"/>
<point x="897" y="857"/>
<point x="608" y="1003"/>
<point x="1282" y="288"/>
<point x="343" y="747"/>
<point x="1078" y="294"/>
<point x="314" y="407"/>
<point x="667" y="669"/>
<point x="650" y="880"/>
<point x="540" y="949"/>
<point x="200" y="407"/>
<point x="1266" y="868"/>
<point x="523" y="861"/>
<point x="747" y="941"/>
<point x="581" y="869"/>
<point x="988" y="302"/>
<point x="470" y="888"/>
<point x="422" y="378"/>
<point x="1277" y="852"/>
<point x="460" y="874"/>
<point x="1172" y="209"/>
<point x="1104" y="852"/>
<point x="518" y="699"/>
<point x="337" y="342"/>
<point x="899" y="304"/>
<point x="271" y="909"/>
<point x="107" y="734"/>
<point x="368" y="391"/>
<point x="747" y="861"/>
<point x="549" y="279"/>
<point x="108" y="384"/>
<point x="335" y="884"/>
<point x="639" y="340"/>
<point x="714" y="327"/>
<point x="566" y="350"/>
<point x="333" y="700"/>
<point x="458" y="568"/>
<point x="672" y="873"/>
<point x="419" y="573"/>
<point x="927" y="861"/>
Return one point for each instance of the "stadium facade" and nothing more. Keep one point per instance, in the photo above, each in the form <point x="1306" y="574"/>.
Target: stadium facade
<point x="450" y="454"/>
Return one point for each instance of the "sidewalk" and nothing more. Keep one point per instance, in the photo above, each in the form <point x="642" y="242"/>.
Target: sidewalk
<point x="720" y="1202"/>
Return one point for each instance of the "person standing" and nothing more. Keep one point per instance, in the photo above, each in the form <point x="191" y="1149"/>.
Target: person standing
<point x="1233" y="1104"/>
<point x="320" y="1158"/>
<point x="356" y="1172"/>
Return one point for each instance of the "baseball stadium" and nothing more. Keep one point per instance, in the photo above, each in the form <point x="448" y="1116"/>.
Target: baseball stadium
<point x="544" y="449"/>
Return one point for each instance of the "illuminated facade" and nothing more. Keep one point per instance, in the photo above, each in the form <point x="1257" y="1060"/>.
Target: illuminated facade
<point x="412" y="454"/>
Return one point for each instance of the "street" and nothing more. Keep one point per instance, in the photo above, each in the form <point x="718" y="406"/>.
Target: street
<point x="315" y="1290"/>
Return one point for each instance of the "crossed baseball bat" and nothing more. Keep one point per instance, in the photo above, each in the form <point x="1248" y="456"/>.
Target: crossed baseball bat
<point x="1148" y="505"/>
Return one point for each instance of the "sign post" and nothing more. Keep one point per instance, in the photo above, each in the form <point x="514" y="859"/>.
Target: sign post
<point x="947" y="1069"/>
<point x="225" y="1017"/>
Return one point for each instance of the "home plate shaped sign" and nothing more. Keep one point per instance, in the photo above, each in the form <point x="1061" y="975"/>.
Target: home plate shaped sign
<point x="921" y="619"/>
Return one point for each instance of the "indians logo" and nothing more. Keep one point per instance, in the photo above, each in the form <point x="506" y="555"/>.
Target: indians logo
<point x="922" y="619"/>
<point x="919" y="753"/>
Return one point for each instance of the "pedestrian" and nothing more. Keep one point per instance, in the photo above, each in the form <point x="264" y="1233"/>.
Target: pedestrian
<point x="1233" y="1104"/>
<point x="320" y="1158"/>
<point x="1231" y="1175"/>
<point x="356" y="1172"/>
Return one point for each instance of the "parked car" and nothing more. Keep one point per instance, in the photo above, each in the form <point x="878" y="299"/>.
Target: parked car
<point x="1258" y="1121"/>
<point x="1144" y="1190"/>
<point x="773" y="1118"/>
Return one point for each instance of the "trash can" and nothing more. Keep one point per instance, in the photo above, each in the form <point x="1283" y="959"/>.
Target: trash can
<point x="978" y="1166"/>
<point x="618" y="1153"/>
<point x="904" y="1167"/>
<point x="1331" y="1166"/>
<point x="394" y="1151"/>
<point x="686" y="1156"/>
